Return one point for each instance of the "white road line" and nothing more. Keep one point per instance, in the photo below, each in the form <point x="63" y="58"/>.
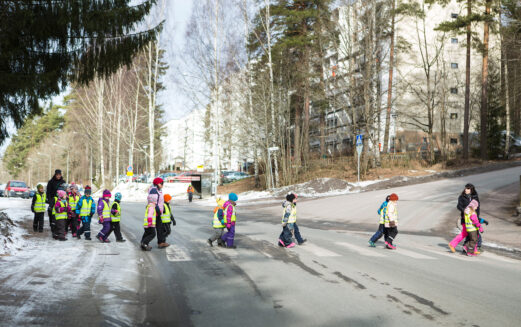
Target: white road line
<point x="412" y="254"/>
<point x="175" y="253"/>
<point x="318" y="251"/>
<point x="445" y="252"/>
<point x="370" y="252"/>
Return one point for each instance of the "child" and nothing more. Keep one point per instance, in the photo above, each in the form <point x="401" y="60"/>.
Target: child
<point x="167" y="218"/>
<point x="289" y="216"/>
<point x="190" y="192"/>
<point x="104" y="217"/>
<point x="72" y="220"/>
<point x="85" y="209"/>
<point x="150" y="222"/>
<point x="472" y="225"/>
<point x="382" y="212"/>
<point x="229" y="219"/>
<point x="218" y="223"/>
<point x="38" y="207"/>
<point x="61" y="212"/>
<point x="115" y="216"/>
<point x="391" y="222"/>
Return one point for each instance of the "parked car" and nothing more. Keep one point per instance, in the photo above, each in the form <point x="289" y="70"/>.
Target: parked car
<point x="235" y="176"/>
<point x="16" y="189"/>
<point x="2" y="188"/>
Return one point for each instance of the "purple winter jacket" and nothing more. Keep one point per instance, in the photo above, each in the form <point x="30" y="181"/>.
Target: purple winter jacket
<point x="160" y="206"/>
<point x="100" y="208"/>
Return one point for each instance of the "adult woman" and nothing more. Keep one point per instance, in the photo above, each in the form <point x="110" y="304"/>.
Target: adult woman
<point x="468" y="194"/>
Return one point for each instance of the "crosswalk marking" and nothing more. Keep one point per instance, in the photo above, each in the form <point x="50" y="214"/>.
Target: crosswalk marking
<point x="361" y="250"/>
<point x="176" y="253"/>
<point x="318" y="251"/>
<point x="412" y="254"/>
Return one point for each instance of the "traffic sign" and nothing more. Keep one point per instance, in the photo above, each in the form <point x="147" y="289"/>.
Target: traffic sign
<point x="129" y="169"/>
<point x="359" y="140"/>
<point x="129" y="173"/>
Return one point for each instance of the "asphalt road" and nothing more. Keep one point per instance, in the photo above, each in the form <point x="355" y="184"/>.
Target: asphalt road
<point x="334" y="279"/>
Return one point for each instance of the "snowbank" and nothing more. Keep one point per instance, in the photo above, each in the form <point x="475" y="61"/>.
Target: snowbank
<point x="137" y="192"/>
<point x="12" y="213"/>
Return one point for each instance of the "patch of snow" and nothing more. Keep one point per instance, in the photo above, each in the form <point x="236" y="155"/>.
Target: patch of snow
<point x="430" y="171"/>
<point x="12" y="213"/>
<point x="137" y="192"/>
<point x="501" y="247"/>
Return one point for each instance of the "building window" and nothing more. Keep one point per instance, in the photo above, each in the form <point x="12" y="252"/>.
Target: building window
<point x="453" y="115"/>
<point x="453" y="141"/>
<point x="454" y="15"/>
<point x="454" y="90"/>
<point x="454" y="40"/>
<point x="454" y="65"/>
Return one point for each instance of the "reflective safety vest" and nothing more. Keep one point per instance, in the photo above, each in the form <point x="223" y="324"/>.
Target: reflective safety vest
<point x="73" y="201"/>
<point x="116" y="217"/>
<point x="53" y="205"/>
<point x="226" y="215"/>
<point x="292" y="216"/>
<point x="39" y="204"/>
<point x="469" y="225"/>
<point x="383" y="212"/>
<point x="165" y="217"/>
<point x="106" y="209"/>
<point x="216" y="222"/>
<point x="86" y="207"/>
<point x="61" y="215"/>
<point x="146" y="215"/>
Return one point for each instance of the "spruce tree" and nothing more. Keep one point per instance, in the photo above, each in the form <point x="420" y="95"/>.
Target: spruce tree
<point x="45" y="45"/>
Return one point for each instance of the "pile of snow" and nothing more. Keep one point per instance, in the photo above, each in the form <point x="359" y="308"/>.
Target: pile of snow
<point x="11" y="234"/>
<point x="137" y="192"/>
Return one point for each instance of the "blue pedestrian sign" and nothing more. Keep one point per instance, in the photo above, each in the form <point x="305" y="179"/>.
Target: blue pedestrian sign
<point x="129" y="168"/>
<point x="359" y="139"/>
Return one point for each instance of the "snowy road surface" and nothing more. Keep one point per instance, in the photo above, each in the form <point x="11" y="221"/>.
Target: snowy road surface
<point x="332" y="280"/>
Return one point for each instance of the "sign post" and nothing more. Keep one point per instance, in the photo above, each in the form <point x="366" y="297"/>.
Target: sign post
<point x="359" y="148"/>
<point x="130" y="172"/>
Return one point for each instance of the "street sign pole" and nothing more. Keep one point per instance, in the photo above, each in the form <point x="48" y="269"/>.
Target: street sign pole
<point x="359" y="148"/>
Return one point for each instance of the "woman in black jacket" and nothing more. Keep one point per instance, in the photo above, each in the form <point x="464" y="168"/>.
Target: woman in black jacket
<point x="468" y="194"/>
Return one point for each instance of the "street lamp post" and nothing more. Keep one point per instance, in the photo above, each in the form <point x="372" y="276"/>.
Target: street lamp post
<point x="46" y="155"/>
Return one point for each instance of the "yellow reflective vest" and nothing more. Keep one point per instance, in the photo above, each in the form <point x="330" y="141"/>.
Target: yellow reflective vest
<point x="73" y="201"/>
<point x="292" y="216"/>
<point x="61" y="215"/>
<point x="39" y="204"/>
<point x="86" y="207"/>
<point x="226" y="214"/>
<point x="165" y="217"/>
<point x="469" y="225"/>
<point x="145" y="224"/>
<point x="216" y="221"/>
<point x="117" y="217"/>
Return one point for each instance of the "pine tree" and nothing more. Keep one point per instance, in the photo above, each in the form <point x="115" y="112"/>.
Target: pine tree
<point x="47" y="44"/>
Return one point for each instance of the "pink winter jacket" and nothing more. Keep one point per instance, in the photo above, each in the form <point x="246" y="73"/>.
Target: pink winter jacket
<point x="475" y="221"/>
<point x="160" y="204"/>
<point x="228" y="213"/>
<point x="151" y="211"/>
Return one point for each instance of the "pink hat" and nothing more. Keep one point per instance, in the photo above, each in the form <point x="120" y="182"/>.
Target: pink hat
<point x="473" y="204"/>
<point x="61" y="194"/>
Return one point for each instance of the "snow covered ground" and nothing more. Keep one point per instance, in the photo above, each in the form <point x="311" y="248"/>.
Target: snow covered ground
<point x="137" y="192"/>
<point x="13" y="212"/>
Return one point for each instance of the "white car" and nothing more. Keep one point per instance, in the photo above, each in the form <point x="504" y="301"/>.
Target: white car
<point x="2" y="189"/>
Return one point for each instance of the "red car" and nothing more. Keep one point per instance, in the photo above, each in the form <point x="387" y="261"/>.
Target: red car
<point x="16" y="189"/>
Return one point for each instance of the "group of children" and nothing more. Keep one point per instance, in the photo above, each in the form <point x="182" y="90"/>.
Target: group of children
<point x="224" y="216"/>
<point x="71" y="211"/>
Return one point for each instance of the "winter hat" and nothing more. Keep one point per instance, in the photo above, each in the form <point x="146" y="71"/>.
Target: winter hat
<point x="74" y="186"/>
<point x="473" y="204"/>
<point x="167" y="198"/>
<point x="106" y="194"/>
<point x="57" y="171"/>
<point x="38" y="186"/>
<point x="118" y="196"/>
<point x="290" y="197"/>
<point x="220" y="202"/>
<point x="152" y="198"/>
<point x="393" y="197"/>
<point x="233" y="197"/>
<point x="61" y="193"/>
<point x="157" y="181"/>
<point x="88" y="190"/>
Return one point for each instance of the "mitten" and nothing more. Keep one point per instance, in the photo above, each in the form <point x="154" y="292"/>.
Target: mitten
<point x="228" y="226"/>
<point x="149" y="220"/>
<point x="173" y="222"/>
<point x="101" y="220"/>
<point x="481" y="229"/>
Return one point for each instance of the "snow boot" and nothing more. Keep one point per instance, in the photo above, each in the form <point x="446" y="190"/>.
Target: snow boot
<point x="88" y="238"/>
<point x="452" y="249"/>
<point x="163" y="245"/>
<point x="121" y="241"/>
<point x="100" y="238"/>
<point x="465" y="250"/>
<point x="231" y="247"/>
<point x="303" y="241"/>
<point x="371" y="244"/>
<point x="281" y="243"/>
<point x="106" y="241"/>
<point x="210" y="242"/>
<point x="291" y="245"/>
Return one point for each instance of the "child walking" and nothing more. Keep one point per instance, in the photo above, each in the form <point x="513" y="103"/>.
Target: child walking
<point x="149" y="222"/>
<point x="218" y="223"/>
<point x="167" y="218"/>
<point x="382" y="212"/>
<point x="229" y="220"/>
<point x="115" y="217"/>
<point x="391" y="222"/>
<point x="72" y="220"/>
<point x="62" y="210"/>
<point x="38" y="207"/>
<point x="289" y="217"/>
<point x="85" y="210"/>
<point x="104" y="217"/>
<point x="472" y="226"/>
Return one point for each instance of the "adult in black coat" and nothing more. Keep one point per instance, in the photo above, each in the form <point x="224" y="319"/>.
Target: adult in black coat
<point x="468" y="194"/>
<point x="55" y="183"/>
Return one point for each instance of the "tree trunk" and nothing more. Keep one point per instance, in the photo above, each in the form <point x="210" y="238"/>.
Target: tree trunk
<point x="466" y="115"/>
<point x="390" y="82"/>
<point x="484" y="85"/>
<point x="296" y="137"/>
<point x="100" y="92"/>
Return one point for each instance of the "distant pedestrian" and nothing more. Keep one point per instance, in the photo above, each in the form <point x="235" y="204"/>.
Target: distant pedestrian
<point x="115" y="217"/>
<point x="468" y="194"/>
<point x="382" y="212"/>
<point x="52" y="187"/>
<point x="149" y="224"/>
<point x="218" y="223"/>
<point x="61" y="212"/>
<point x="104" y="216"/>
<point x="289" y="217"/>
<point x="391" y="222"/>
<point x="38" y="207"/>
<point x="229" y="220"/>
<point x="472" y="226"/>
<point x="190" y="192"/>
<point x="85" y="209"/>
